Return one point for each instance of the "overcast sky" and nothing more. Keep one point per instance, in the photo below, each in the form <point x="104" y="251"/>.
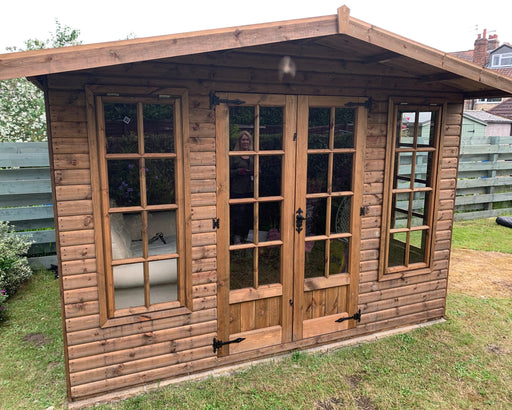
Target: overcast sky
<point x="448" y="25"/>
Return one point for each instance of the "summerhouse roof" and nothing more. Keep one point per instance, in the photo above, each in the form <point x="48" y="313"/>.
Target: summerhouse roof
<point x="340" y="36"/>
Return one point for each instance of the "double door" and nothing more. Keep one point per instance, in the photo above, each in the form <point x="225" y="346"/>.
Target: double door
<point x="289" y="188"/>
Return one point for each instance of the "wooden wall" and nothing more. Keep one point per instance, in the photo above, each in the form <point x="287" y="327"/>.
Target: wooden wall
<point x="104" y="359"/>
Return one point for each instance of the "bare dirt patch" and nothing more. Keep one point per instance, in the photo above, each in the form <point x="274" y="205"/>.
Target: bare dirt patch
<point x="478" y="273"/>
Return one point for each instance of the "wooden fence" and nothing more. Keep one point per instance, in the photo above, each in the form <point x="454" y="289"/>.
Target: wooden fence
<point x="26" y="196"/>
<point x="484" y="180"/>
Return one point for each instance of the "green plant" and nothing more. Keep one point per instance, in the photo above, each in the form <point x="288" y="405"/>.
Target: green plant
<point x="14" y="268"/>
<point x="3" y="298"/>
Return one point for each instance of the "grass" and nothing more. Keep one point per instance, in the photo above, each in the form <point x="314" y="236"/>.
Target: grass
<point x="483" y="235"/>
<point x="465" y="362"/>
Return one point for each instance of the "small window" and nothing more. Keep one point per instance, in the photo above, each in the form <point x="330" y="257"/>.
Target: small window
<point x="139" y="160"/>
<point x="411" y="190"/>
<point x="502" y="60"/>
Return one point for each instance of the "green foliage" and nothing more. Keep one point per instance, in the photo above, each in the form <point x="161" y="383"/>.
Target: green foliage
<point x="22" y="108"/>
<point x="14" y="267"/>
<point x="3" y="298"/>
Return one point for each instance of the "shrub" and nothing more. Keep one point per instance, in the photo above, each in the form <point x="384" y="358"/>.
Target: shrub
<point x="3" y="297"/>
<point x="14" y="268"/>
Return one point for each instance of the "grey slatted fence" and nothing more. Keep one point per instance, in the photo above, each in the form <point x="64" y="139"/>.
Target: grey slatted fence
<point x="26" y="196"/>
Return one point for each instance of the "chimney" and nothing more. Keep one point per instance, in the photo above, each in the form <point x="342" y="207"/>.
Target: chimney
<point x="493" y="42"/>
<point x="480" y="50"/>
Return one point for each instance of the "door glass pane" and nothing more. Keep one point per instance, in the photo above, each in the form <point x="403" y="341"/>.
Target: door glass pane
<point x="158" y="128"/>
<point x="314" y="263"/>
<point x="403" y="166"/>
<point x="240" y="119"/>
<point x="163" y="282"/>
<point x="400" y="211"/>
<point x="160" y="177"/>
<point x="121" y="128"/>
<point x="338" y="256"/>
<point x="128" y="285"/>
<point x="161" y="232"/>
<point x="418" y="246"/>
<point x="241" y="268"/>
<point x="423" y="169"/>
<point x="397" y="249"/>
<point x="317" y="173"/>
<point x="342" y="172"/>
<point x="124" y="182"/>
<point x="270" y="175"/>
<point x="419" y="206"/>
<point x="241" y="172"/>
<point x="405" y="131"/>
<point x="319" y="126"/>
<point x="271" y="128"/>
<point x="340" y="214"/>
<point x="269" y="218"/>
<point x="344" y="128"/>
<point x="269" y="265"/>
<point x="426" y="128"/>
<point x="316" y="210"/>
<point x="241" y="219"/>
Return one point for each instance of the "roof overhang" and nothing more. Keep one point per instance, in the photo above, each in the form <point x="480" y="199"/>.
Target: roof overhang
<point x="389" y="49"/>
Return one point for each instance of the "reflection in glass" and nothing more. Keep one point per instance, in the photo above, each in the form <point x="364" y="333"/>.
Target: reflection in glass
<point x="125" y="232"/>
<point x="316" y="211"/>
<point x="340" y="214"/>
<point x="269" y="265"/>
<point x="319" y="126"/>
<point x="342" y="172"/>
<point x="241" y="219"/>
<point x="158" y="128"/>
<point x="121" y="128"/>
<point x="397" y="249"/>
<point x="403" y="166"/>
<point x="338" y="256"/>
<point x="124" y="182"/>
<point x="419" y="205"/>
<point x="128" y="285"/>
<point x="241" y="173"/>
<point x="314" y="263"/>
<point x="405" y="132"/>
<point x="317" y="173"/>
<point x="400" y="211"/>
<point x="160" y="176"/>
<point x="240" y="119"/>
<point x="271" y="128"/>
<point x="418" y="246"/>
<point x="161" y="232"/>
<point x="344" y="128"/>
<point x="423" y="169"/>
<point x="163" y="282"/>
<point x="270" y="175"/>
<point x="426" y="128"/>
<point x="241" y="269"/>
<point x="269" y="219"/>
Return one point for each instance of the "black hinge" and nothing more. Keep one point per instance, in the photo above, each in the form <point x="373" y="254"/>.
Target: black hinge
<point x="363" y="211"/>
<point x="215" y="223"/>
<point x="214" y="100"/>
<point x="299" y="219"/>
<point x="217" y="344"/>
<point x="367" y="104"/>
<point x="355" y="316"/>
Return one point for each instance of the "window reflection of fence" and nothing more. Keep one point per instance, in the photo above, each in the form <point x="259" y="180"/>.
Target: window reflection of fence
<point x="484" y="180"/>
<point x="26" y="196"/>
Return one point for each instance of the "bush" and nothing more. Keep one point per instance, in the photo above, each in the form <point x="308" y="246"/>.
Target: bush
<point x="3" y="298"/>
<point x="14" y="268"/>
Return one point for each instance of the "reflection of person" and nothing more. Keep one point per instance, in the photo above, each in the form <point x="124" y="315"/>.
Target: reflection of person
<point x="241" y="186"/>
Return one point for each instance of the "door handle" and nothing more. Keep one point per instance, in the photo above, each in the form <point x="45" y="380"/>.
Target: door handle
<point x="299" y="219"/>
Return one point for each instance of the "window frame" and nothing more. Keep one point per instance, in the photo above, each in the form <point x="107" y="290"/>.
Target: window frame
<point x="96" y="95"/>
<point x="497" y="59"/>
<point x="397" y="105"/>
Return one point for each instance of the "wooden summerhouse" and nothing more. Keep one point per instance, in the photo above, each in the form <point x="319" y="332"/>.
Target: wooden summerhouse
<point x="228" y="195"/>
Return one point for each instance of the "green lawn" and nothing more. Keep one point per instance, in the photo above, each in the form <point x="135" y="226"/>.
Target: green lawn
<point x="465" y="362"/>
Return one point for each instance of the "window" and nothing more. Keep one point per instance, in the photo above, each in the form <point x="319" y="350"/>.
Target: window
<point x="490" y="100"/>
<point x="139" y="161"/>
<point x="410" y="190"/>
<point x="502" y="60"/>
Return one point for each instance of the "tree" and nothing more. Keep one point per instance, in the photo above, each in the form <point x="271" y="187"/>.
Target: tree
<point x="22" y="110"/>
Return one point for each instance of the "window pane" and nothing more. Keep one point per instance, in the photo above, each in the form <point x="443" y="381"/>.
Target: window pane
<point x="269" y="219"/>
<point x="403" y="170"/>
<point x="317" y="173"/>
<point x="270" y="175"/>
<point x="419" y="207"/>
<point x="121" y="128"/>
<point x="241" y="219"/>
<point x="319" y="125"/>
<point x="240" y="119"/>
<point x="400" y="210"/>
<point x="423" y="169"/>
<point x="269" y="265"/>
<point x="163" y="281"/>
<point x="158" y="128"/>
<point x="241" y="269"/>
<point x="161" y="232"/>
<point x="340" y="214"/>
<point x="426" y="131"/>
<point x="344" y="128"/>
<point x="124" y="182"/>
<point x="271" y="128"/>
<point x="160" y="176"/>
<point x="397" y="245"/>
<point x="129" y="285"/>
<point x="418" y="246"/>
<point x="316" y="211"/>
<point x="342" y="172"/>
<point x="338" y="256"/>
<point x="241" y="172"/>
<point x="125" y="232"/>
<point x="314" y="265"/>
<point x="405" y="131"/>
